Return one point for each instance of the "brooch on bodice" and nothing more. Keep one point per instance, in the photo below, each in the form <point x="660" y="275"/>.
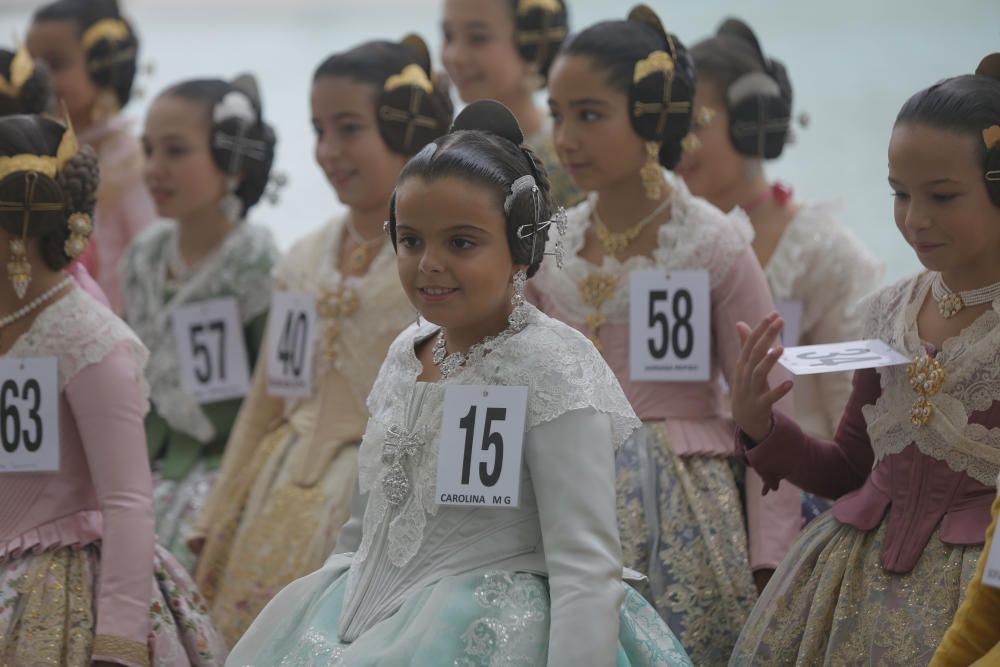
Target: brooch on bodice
<point x="595" y="290"/>
<point x="399" y="445"/>
<point x="926" y="377"/>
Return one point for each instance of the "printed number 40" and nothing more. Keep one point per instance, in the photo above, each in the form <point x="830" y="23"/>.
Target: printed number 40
<point x="681" y="336"/>
<point x="292" y="344"/>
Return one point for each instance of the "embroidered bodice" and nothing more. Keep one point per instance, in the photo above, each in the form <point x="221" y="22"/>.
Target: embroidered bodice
<point x="240" y="268"/>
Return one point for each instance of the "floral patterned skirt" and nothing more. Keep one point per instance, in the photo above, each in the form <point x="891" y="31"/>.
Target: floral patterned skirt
<point x="682" y="524"/>
<point x="477" y="619"/>
<point x="177" y="504"/>
<point x="48" y="612"/>
<point x="831" y="602"/>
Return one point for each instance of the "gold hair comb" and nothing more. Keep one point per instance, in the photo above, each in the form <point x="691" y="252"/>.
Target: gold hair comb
<point x="657" y="61"/>
<point x="991" y="136"/>
<point x="412" y="75"/>
<point x="112" y="29"/>
<point x="551" y="6"/>
<point x="43" y="164"/>
<point x="21" y="69"/>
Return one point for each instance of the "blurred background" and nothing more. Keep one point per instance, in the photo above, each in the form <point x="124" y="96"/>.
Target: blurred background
<point x="852" y="64"/>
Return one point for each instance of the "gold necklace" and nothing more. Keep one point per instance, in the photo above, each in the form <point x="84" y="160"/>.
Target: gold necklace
<point x="616" y="242"/>
<point x="362" y="254"/>
<point x="596" y="289"/>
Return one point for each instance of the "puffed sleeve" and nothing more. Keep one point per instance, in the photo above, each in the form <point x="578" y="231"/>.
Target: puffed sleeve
<point x="108" y="410"/>
<point x="774" y="520"/>
<point x="974" y="635"/>
<point x="571" y="463"/>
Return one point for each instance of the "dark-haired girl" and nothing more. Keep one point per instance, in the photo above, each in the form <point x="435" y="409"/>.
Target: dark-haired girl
<point x="915" y="459"/>
<point x="816" y="268"/>
<point x="291" y="463"/>
<point x="620" y="96"/>
<point x="502" y="50"/>
<point x="26" y="88"/>
<point x="208" y="159"/>
<point x="534" y="580"/>
<point x="81" y="582"/>
<point x="91" y="52"/>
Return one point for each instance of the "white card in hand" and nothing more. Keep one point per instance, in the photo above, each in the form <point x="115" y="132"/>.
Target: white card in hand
<point x="991" y="573"/>
<point x="482" y="439"/>
<point x="291" y="338"/>
<point x="210" y="350"/>
<point x="834" y="357"/>
<point x="29" y="415"/>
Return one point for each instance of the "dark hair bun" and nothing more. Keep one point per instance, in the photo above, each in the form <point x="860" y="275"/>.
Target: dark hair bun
<point x="34" y="95"/>
<point x="990" y="67"/>
<point x="540" y="28"/>
<point x="489" y="116"/>
<point x="413" y="109"/>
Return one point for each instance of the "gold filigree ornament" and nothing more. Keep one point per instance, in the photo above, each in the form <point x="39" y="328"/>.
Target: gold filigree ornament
<point x="526" y="6"/>
<point x="334" y="306"/>
<point x="596" y="289"/>
<point x="657" y="61"/>
<point x="110" y="29"/>
<point x="21" y="69"/>
<point x="43" y="164"/>
<point x="703" y="116"/>
<point x="991" y="136"/>
<point x="690" y="143"/>
<point x="80" y="228"/>
<point x="926" y="376"/>
<point x="18" y="267"/>
<point x="411" y="75"/>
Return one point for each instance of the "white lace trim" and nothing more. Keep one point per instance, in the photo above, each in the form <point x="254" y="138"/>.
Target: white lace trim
<point x="79" y="332"/>
<point x="971" y="363"/>
<point x="697" y="236"/>
<point x="820" y="262"/>
<point x="240" y="268"/>
<point x="383" y="308"/>
<point x="560" y="367"/>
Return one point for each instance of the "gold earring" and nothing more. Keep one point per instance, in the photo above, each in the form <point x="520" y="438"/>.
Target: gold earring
<point x="691" y="143"/>
<point x="105" y="106"/>
<point x="19" y="268"/>
<point x="80" y="228"/>
<point x="652" y="177"/>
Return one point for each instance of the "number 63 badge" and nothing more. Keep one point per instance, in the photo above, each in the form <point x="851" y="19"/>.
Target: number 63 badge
<point x="29" y="415"/>
<point x="481" y="446"/>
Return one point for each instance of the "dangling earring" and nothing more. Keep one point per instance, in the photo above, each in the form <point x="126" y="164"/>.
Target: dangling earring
<point x="518" y="318"/>
<point x="230" y="204"/>
<point x="19" y="268"/>
<point x="105" y="106"/>
<point x="652" y="178"/>
<point x="690" y="143"/>
<point x="80" y="228"/>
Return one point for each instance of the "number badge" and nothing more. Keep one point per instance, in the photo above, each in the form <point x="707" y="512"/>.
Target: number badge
<point x="482" y="438"/>
<point x="29" y="415"/>
<point x="669" y="326"/>
<point x="290" y="344"/>
<point x="835" y="357"/>
<point x="211" y="351"/>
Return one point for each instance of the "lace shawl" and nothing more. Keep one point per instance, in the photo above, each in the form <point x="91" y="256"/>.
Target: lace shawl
<point x="817" y="261"/>
<point x="971" y="362"/>
<point x="311" y="266"/>
<point x="240" y="268"/>
<point x="79" y="332"/>
<point x="697" y="236"/>
<point x="560" y="367"/>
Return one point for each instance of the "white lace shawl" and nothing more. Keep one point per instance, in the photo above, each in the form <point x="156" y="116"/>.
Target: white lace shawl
<point x="822" y="264"/>
<point x="311" y="266"/>
<point x="240" y="268"/>
<point x="79" y="332"/>
<point x="971" y="363"/>
<point x="697" y="236"/>
<point x="560" y="367"/>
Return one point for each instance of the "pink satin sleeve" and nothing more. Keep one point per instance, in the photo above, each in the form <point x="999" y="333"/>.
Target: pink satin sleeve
<point x="84" y="281"/>
<point x="774" y="520"/>
<point x="108" y="410"/>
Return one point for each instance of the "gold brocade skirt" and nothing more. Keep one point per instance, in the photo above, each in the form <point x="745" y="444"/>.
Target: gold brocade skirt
<point x="682" y="524"/>
<point x="831" y="602"/>
<point x="48" y="613"/>
<point x="274" y="532"/>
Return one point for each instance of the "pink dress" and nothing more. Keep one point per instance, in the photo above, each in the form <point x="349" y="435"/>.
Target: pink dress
<point x="878" y="579"/>
<point x="684" y="518"/>
<point x="80" y="578"/>
<point x="124" y="206"/>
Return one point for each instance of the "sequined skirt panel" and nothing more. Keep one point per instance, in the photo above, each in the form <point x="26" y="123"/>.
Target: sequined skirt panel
<point x="831" y="603"/>
<point x="283" y="532"/>
<point x="48" y="612"/>
<point x="682" y="524"/>
<point x="479" y="619"/>
<point x="177" y="504"/>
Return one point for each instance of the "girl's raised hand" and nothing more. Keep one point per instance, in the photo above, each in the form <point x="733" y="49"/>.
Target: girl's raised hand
<point x="752" y="395"/>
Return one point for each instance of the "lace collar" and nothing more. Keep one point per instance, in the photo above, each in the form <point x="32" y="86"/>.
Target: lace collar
<point x="240" y="268"/>
<point x="561" y="369"/>
<point x="971" y="364"/>
<point x="79" y="332"/>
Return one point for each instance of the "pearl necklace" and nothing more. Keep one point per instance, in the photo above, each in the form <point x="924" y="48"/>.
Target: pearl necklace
<point x="951" y="303"/>
<point x="7" y="320"/>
